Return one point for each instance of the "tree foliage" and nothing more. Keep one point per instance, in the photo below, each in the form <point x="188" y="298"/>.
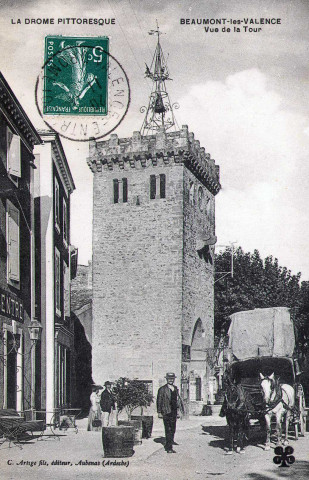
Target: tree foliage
<point x="130" y="394"/>
<point x="259" y="284"/>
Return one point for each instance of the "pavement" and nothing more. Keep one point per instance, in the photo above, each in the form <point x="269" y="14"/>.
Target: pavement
<point x="59" y="455"/>
<point x="201" y="443"/>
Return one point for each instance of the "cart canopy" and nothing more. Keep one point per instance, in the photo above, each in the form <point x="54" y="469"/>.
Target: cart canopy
<point x="247" y="372"/>
<point x="263" y="332"/>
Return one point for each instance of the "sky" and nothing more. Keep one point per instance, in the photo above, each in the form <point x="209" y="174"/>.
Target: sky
<point x="244" y="95"/>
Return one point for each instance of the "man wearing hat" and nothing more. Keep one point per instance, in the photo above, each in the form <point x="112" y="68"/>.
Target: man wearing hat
<point x="107" y="403"/>
<point x="168" y="405"/>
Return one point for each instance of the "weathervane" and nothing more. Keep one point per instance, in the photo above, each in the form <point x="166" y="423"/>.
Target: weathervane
<point x="159" y="112"/>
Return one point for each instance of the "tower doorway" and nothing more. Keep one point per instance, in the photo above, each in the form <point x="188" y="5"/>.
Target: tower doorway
<point x="197" y="368"/>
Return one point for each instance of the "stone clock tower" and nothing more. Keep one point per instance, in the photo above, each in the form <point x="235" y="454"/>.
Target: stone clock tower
<point x="153" y="247"/>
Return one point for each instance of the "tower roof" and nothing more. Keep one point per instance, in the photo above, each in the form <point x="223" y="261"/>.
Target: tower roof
<point x="159" y="112"/>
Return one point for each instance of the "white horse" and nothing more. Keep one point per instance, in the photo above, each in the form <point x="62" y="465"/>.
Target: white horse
<point x="280" y="401"/>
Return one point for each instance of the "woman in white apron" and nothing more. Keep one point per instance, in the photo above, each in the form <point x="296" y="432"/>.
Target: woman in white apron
<point x="94" y="417"/>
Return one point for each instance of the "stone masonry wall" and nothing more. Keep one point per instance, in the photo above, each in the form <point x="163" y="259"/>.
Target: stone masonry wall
<point x="198" y="294"/>
<point x="152" y="276"/>
<point x="137" y="276"/>
<point x="83" y="279"/>
<point x="199" y="222"/>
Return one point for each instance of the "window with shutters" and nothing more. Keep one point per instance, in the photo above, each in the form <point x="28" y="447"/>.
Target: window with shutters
<point x="124" y="190"/>
<point x="57" y="282"/>
<point x="64" y="376"/>
<point x="65" y="224"/>
<point x="66" y="290"/>
<point x="153" y="187"/>
<point x="13" y="156"/>
<point x="120" y="190"/>
<point x="157" y="186"/>
<point x="13" y="248"/>
<point x="57" y="206"/>
<point x="162" y="185"/>
<point x="116" y="190"/>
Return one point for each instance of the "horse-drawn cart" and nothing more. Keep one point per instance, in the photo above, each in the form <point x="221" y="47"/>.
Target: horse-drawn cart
<point x="261" y="345"/>
<point x="247" y="374"/>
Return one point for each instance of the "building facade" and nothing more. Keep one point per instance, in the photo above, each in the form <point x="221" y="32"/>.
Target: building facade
<point x="81" y="313"/>
<point x="18" y="353"/>
<point x="153" y="237"/>
<point x="53" y="185"/>
<point x="81" y="298"/>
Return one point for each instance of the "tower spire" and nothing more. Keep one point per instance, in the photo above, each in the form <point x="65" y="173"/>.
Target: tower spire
<point x="159" y="112"/>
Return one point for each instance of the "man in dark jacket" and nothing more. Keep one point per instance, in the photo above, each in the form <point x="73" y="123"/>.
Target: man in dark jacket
<point x="169" y="405"/>
<point x="107" y="403"/>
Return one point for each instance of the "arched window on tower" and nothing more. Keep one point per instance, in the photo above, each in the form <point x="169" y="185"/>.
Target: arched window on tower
<point x="191" y="193"/>
<point x="200" y="198"/>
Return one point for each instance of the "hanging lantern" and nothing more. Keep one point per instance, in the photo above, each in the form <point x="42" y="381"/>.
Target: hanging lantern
<point x="159" y="107"/>
<point x="35" y="329"/>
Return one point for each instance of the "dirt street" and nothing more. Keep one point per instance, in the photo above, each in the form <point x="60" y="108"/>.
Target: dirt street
<point x="202" y="454"/>
<point x="201" y="444"/>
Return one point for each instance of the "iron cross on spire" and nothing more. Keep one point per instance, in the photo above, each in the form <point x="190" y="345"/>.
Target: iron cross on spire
<point x="159" y="112"/>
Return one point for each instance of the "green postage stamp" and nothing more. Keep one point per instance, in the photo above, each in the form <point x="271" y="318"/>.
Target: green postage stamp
<point x="76" y="75"/>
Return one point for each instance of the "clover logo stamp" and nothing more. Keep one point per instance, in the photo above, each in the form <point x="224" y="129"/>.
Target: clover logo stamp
<point x="284" y="457"/>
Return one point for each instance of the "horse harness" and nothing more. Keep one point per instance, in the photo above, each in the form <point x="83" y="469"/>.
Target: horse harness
<point x="278" y="399"/>
<point x="270" y="406"/>
<point x="240" y="400"/>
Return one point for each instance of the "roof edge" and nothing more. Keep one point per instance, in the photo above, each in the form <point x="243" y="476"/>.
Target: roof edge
<point x="11" y="108"/>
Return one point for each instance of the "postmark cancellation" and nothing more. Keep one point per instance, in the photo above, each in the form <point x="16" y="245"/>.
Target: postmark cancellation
<point x="82" y="91"/>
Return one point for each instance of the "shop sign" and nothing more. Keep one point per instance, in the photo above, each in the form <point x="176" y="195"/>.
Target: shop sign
<point x="11" y="306"/>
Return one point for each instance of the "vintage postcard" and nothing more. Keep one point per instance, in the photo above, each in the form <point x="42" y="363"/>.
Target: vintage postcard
<point x="154" y="272"/>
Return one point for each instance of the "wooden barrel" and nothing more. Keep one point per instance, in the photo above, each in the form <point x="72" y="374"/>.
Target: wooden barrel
<point x="137" y="424"/>
<point x="147" y="424"/>
<point x="118" y="441"/>
<point x="206" y="410"/>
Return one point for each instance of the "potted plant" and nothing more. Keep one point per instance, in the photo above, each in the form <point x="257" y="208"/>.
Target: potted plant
<point x="118" y="441"/>
<point x="129" y="395"/>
